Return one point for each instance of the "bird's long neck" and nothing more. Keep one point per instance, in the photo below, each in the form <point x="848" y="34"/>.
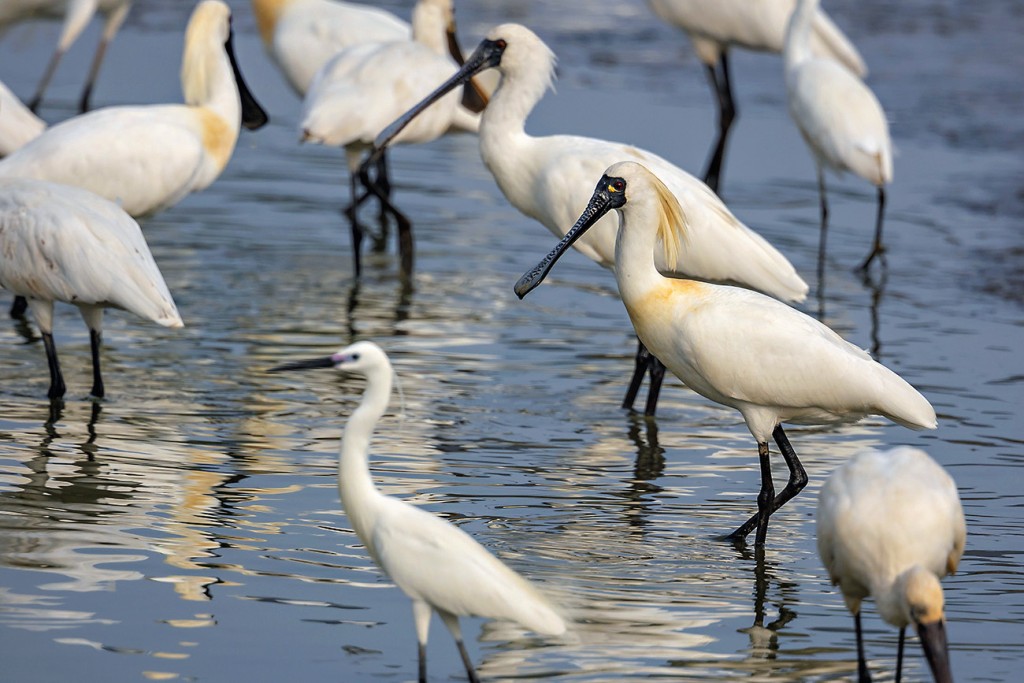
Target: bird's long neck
<point x="503" y="122"/>
<point x="635" y="269"/>
<point x="797" y="47"/>
<point x="429" y="27"/>
<point x="358" y="493"/>
<point x="207" y="79"/>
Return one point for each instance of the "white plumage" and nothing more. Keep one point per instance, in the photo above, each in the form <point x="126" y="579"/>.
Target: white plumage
<point x="839" y="117"/>
<point x="734" y="346"/>
<point x="439" y="566"/>
<point x="149" y="157"/>
<point x="301" y="35"/>
<point x="890" y="525"/>
<point x="18" y="124"/>
<point x="76" y="15"/>
<point x="60" y="243"/>
<point x="715" y="26"/>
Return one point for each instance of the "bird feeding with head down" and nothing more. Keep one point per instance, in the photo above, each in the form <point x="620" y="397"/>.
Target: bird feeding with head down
<point x="736" y="347"/>
<point x="61" y="243"/>
<point x="840" y="119"/>
<point x="547" y="178"/>
<point x="890" y="526"/>
<point x="439" y="566"/>
<point x="716" y="26"/>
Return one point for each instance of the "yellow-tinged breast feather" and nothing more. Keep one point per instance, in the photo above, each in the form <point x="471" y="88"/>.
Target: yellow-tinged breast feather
<point x="218" y="137"/>
<point x="268" y="12"/>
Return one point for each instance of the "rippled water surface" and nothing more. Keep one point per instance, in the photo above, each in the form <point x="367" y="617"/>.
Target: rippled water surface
<point x="188" y="526"/>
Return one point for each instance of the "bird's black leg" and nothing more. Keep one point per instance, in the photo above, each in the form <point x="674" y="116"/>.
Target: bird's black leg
<point x="877" y="249"/>
<point x="354" y="226"/>
<point x="823" y="232"/>
<point x="863" y="675"/>
<point x="467" y="662"/>
<point x="765" y="499"/>
<point x="899" y="654"/>
<point x="383" y="181"/>
<point x="18" y="307"/>
<point x="722" y="87"/>
<point x="657" y="371"/>
<point x="645" y="363"/>
<point x="422" y="649"/>
<point x="405" y="242"/>
<point x="95" y="339"/>
<point x="57" y="388"/>
<point x="797" y="481"/>
<point x="51" y="67"/>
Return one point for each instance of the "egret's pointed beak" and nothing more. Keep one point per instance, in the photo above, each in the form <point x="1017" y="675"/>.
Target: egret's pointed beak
<point x="253" y="116"/>
<point x="936" y="650"/>
<point x="603" y="201"/>
<point x="474" y="98"/>
<point x="325" y="362"/>
<point x="486" y="55"/>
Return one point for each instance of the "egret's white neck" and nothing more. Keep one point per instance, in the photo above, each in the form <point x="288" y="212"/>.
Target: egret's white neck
<point x="797" y="47"/>
<point x="358" y="493"/>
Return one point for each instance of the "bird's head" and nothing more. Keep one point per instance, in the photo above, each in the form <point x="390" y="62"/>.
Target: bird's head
<point x="923" y="603"/>
<point x="362" y="358"/>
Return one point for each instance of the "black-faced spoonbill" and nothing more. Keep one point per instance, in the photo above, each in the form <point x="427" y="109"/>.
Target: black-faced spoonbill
<point x="736" y="347"/>
<point x="715" y="26"/>
<point x="839" y="118"/>
<point x="149" y="157"/>
<point x="76" y="15"/>
<point x="890" y="525"/>
<point x="547" y="178"/>
<point x="60" y="243"/>
<point x="439" y="566"/>
<point x="363" y="88"/>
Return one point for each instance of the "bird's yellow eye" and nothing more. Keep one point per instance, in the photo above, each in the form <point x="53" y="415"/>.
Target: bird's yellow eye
<point x="612" y="188"/>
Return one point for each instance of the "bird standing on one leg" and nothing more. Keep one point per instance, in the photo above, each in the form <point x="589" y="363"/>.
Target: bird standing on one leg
<point x="734" y="346"/>
<point x="840" y="119"/>
<point x="439" y="566"/>
<point x="890" y="525"/>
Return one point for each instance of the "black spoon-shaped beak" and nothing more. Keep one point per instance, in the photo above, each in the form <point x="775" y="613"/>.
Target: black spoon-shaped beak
<point x="324" y="362"/>
<point x="609" y="194"/>
<point x="486" y="55"/>
<point x="936" y="650"/>
<point x="253" y="116"/>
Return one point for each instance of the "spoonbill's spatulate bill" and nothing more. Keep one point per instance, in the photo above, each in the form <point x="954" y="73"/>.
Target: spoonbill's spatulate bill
<point x="734" y="346"/>
<point x="548" y="179"/>
<point x="439" y="566"/>
<point x="60" y="243"/>
<point x="363" y="88"/>
<point x="715" y="26"/>
<point x="839" y="117"/>
<point x="76" y="15"/>
<point x="890" y="525"/>
<point x="147" y="158"/>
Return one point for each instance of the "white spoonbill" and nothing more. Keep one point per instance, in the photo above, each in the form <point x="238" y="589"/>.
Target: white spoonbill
<point x="301" y="35"/>
<point x="736" y="347"/>
<point x="18" y="124"/>
<point x="76" y="14"/>
<point x="547" y="177"/>
<point x="149" y="157"/>
<point x="365" y="87"/>
<point x="715" y="26"/>
<point x="890" y="525"/>
<point x="439" y="566"/>
<point x="839" y="118"/>
<point x="61" y="243"/>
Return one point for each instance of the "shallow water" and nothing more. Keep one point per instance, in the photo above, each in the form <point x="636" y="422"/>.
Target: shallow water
<point x="188" y="526"/>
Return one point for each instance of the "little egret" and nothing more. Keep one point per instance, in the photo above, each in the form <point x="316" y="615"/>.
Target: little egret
<point x="890" y="525"/>
<point x="714" y="26"/>
<point x="363" y="88"/>
<point x="149" y="157"/>
<point x="439" y="566"/>
<point x="76" y="14"/>
<point x="60" y="243"/>
<point x="546" y="179"/>
<point x="18" y="124"/>
<point x="839" y="118"/>
<point x="734" y="346"/>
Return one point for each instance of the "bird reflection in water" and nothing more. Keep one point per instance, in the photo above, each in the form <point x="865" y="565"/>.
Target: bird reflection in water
<point x="764" y="639"/>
